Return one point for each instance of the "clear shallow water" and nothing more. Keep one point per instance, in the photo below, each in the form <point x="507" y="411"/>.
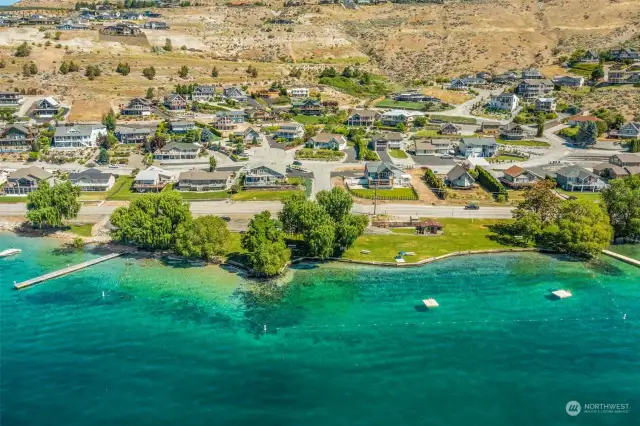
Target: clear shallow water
<point x="344" y="346"/>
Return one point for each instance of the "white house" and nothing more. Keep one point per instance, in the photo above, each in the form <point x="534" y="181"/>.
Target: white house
<point x="152" y="179"/>
<point x="298" y="92"/>
<point x="93" y="180"/>
<point x="505" y="102"/>
<point x="478" y="147"/>
<point x="328" y="141"/>
<point x="78" y="136"/>
<point x="546" y="104"/>
<point x="394" y="117"/>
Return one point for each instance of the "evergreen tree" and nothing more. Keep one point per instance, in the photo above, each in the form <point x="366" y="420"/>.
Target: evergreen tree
<point x="214" y="72"/>
<point x="167" y="45"/>
<point x="587" y="134"/>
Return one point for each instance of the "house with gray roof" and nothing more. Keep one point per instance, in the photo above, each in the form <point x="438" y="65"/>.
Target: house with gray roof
<point x="508" y="102"/>
<point x="249" y="135"/>
<point x="459" y="178"/>
<point x="25" y="180"/>
<point x="363" y="117"/>
<point x="10" y="99"/>
<point x="513" y="131"/>
<point x="328" y="141"/>
<point x="77" y="136"/>
<point x="478" y="147"/>
<point x="182" y="126"/>
<point x="177" y="151"/>
<point x="576" y="178"/>
<point x="624" y="160"/>
<point x="17" y="138"/>
<point x="630" y="130"/>
<point x="152" y="179"/>
<point x="201" y="180"/>
<point x="203" y="93"/>
<point x="263" y="175"/>
<point x="93" y="180"/>
<point x="136" y="106"/>
<point x="290" y="131"/>
<point x="383" y="175"/>
<point x="531" y="89"/>
<point x="386" y="140"/>
<point x="175" y="102"/>
<point x="45" y="108"/>
<point x="235" y="94"/>
<point x="237" y="116"/>
<point x="133" y="134"/>
<point x="397" y="116"/>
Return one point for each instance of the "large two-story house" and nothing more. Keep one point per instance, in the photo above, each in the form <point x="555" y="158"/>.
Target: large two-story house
<point x="363" y="117"/>
<point x="328" y="141"/>
<point x="568" y="81"/>
<point x="386" y="140"/>
<point x="175" y="102"/>
<point x="235" y="94"/>
<point x="398" y="116"/>
<point x="45" y="108"/>
<point x="625" y="54"/>
<point x="508" y="102"/>
<point x="177" y="151"/>
<point x="432" y="146"/>
<point x="182" y="126"/>
<point x="203" y="93"/>
<point x="383" y="175"/>
<point x="23" y="181"/>
<point x="264" y="176"/>
<point x="152" y="179"/>
<point x="16" y="137"/>
<point x="576" y="178"/>
<point x="630" y="130"/>
<point x="517" y="177"/>
<point x="93" y="180"/>
<point x="237" y="117"/>
<point x="156" y="25"/>
<point x="478" y="147"/>
<point x="137" y="106"/>
<point x="308" y="107"/>
<point x="513" y="131"/>
<point x="10" y="99"/>
<point x="531" y="89"/>
<point x="77" y="136"/>
<point x="133" y="134"/>
<point x="546" y="104"/>
<point x="290" y="131"/>
<point x="623" y="77"/>
<point x="201" y="180"/>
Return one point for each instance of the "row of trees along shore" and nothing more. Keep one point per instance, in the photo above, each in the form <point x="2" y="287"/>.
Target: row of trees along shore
<point x="326" y="227"/>
<point x="578" y="227"/>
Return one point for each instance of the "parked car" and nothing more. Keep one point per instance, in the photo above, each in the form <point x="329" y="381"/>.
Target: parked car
<point x="472" y="207"/>
<point x="225" y="218"/>
<point x="297" y="163"/>
<point x="445" y="156"/>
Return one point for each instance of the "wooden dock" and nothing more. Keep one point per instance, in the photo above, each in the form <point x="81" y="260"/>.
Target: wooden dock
<point x="65" y="271"/>
<point x="622" y="258"/>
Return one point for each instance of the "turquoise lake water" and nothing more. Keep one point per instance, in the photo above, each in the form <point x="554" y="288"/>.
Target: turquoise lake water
<point x="172" y="344"/>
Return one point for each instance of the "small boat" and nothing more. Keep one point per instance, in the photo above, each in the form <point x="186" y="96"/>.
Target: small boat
<point x="9" y="252"/>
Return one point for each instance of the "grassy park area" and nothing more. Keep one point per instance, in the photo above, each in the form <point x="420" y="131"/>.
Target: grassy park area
<point x="385" y="194"/>
<point x="257" y="195"/>
<point x="459" y="235"/>
<point x="307" y="119"/>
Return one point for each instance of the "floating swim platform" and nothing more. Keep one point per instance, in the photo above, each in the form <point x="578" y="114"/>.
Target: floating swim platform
<point x="561" y="294"/>
<point x="430" y="303"/>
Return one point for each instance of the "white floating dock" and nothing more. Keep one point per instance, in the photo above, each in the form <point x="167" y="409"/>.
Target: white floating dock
<point x="430" y="303"/>
<point x="561" y="294"/>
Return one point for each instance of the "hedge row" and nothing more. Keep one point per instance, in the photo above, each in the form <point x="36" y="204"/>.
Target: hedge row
<point x="435" y="183"/>
<point x="492" y="184"/>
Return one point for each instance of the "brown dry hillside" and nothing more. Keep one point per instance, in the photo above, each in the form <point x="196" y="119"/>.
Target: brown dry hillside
<point x="404" y="42"/>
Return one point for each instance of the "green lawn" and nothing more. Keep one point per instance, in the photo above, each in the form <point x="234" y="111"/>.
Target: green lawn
<point x="583" y="70"/>
<point x="523" y="143"/>
<point x="352" y="86"/>
<point x="12" y="199"/>
<point x="569" y="132"/>
<point x="307" y="119"/>
<point x="505" y="157"/>
<point x="382" y="194"/>
<point x="590" y="196"/>
<point x="454" y="119"/>
<point x="397" y="153"/>
<point x="433" y="133"/>
<point x="83" y="230"/>
<point x="390" y="103"/>
<point x="93" y="196"/>
<point x="121" y="190"/>
<point x="258" y="195"/>
<point x="213" y="195"/>
<point x="459" y="235"/>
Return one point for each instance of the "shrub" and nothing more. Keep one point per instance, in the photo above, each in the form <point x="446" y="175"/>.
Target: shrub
<point x="435" y="183"/>
<point x="492" y="185"/>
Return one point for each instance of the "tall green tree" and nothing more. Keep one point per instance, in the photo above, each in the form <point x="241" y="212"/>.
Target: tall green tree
<point x="212" y="164"/>
<point x="587" y="134"/>
<point x="48" y="205"/>
<point x="23" y="50"/>
<point x="109" y="121"/>
<point x="622" y="200"/>
<point x="168" y="46"/>
<point x="103" y="157"/>
<point x="206" y="237"/>
<point x="149" y="93"/>
<point x="150" y="222"/>
<point x="264" y="242"/>
<point x="214" y="72"/>
<point x="540" y="199"/>
<point x="336" y="202"/>
<point x="582" y="228"/>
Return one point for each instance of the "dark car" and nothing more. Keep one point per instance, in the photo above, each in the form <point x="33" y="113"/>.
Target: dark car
<point x="225" y="218"/>
<point x="472" y="207"/>
<point x="297" y="163"/>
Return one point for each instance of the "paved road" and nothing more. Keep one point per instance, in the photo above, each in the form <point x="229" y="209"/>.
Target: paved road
<point x="223" y="208"/>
